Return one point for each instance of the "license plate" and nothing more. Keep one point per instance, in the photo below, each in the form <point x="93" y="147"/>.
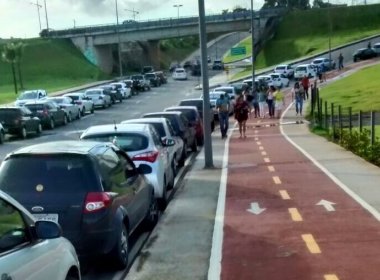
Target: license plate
<point x="47" y="217"/>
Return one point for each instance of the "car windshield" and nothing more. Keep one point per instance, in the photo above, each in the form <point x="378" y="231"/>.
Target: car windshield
<point x="29" y="95"/>
<point x="35" y="107"/>
<point x="59" y="100"/>
<point x="93" y="92"/>
<point x="280" y="67"/>
<point x="73" y="97"/>
<point x="317" y="61"/>
<point x="301" y="68"/>
<point x="180" y="71"/>
<point x="137" y="77"/>
<point x="196" y="103"/>
<point x="128" y="142"/>
<point x="150" y="76"/>
<point x="225" y="90"/>
<point x="215" y="95"/>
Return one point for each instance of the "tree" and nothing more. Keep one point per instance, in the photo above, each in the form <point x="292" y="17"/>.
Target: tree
<point x="298" y="4"/>
<point x="19" y="48"/>
<point x="9" y="55"/>
<point x="224" y="11"/>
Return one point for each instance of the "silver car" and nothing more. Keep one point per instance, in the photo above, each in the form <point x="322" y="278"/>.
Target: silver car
<point x="165" y="130"/>
<point x="31" y="249"/>
<point x="99" y="98"/>
<point x="144" y="146"/>
<point x="67" y="104"/>
<point x="85" y="103"/>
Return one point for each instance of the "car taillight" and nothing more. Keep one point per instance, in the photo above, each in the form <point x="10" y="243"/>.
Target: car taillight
<point x="96" y="201"/>
<point x="148" y="156"/>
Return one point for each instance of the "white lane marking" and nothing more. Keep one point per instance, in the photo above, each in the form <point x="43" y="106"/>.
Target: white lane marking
<point x="215" y="266"/>
<point x="351" y="193"/>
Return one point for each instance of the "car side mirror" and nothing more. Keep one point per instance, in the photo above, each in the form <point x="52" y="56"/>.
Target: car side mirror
<point x="47" y="230"/>
<point x="168" y="142"/>
<point x="144" y="169"/>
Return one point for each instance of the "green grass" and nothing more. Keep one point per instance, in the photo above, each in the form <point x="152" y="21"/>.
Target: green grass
<point x="359" y="90"/>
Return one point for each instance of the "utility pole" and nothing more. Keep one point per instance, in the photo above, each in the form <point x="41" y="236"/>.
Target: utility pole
<point x="330" y="31"/>
<point x="205" y="87"/>
<point x="46" y="15"/>
<point x="178" y="6"/>
<point x="253" y="46"/>
<point x="118" y="40"/>
<point x="134" y="13"/>
<point x="38" y="10"/>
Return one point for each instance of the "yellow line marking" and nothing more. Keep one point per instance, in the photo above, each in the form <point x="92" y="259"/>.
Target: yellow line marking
<point x="258" y="143"/>
<point x="284" y="194"/>
<point x="311" y="243"/>
<point x="271" y="168"/>
<point x="331" y="277"/>
<point x="263" y="153"/>
<point x="296" y="216"/>
<point x="276" y="180"/>
<point x="261" y="148"/>
<point x="266" y="159"/>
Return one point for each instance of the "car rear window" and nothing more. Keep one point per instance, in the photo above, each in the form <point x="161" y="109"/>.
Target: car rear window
<point x="6" y="112"/>
<point x="280" y="67"/>
<point x="302" y="68"/>
<point x="128" y="142"/>
<point x="196" y="103"/>
<point x="93" y="92"/>
<point x="150" y="76"/>
<point x="73" y="97"/>
<point x="35" y="107"/>
<point x="51" y="174"/>
<point x="189" y="114"/>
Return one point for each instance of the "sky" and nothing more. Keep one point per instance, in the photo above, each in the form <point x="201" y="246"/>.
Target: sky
<point x="19" y="18"/>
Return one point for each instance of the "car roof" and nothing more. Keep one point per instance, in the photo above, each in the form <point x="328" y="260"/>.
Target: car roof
<point x="145" y="120"/>
<point x="40" y="101"/>
<point x="11" y="107"/>
<point x="182" y="107"/>
<point x="303" y="65"/>
<point x="228" y="87"/>
<point x="58" y="147"/>
<point x="282" y="65"/>
<point x="179" y="68"/>
<point x="107" y="128"/>
<point x="164" y="113"/>
<point x="73" y="93"/>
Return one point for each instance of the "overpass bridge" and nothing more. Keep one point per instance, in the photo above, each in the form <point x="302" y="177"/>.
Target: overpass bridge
<point x="98" y="43"/>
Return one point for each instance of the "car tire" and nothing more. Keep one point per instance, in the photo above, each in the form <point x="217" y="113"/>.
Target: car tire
<point x="23" y="133"/>
<point x="175" y="165"/>
<point x="212" y="126"/>
<point x="200" y="141"/>
<point x="83" y="112"/>
<point x="182" y="160"/>
<point x="153" y="214"/>
<point x="79" y="115"/>
<point x="194" y="147"/>
<point x="105" y="105"/>
<point x="121" y="100"/>
<point x="65" y="121"/>
<point x="39" y="129"/>
<point x="2" y="137"/>
<point x="92" y="110"/>
<point x="163" y="202"/>
<point x="69" y="117"/>
<point x="119" y="254"/>
<point x="52" y="123"/>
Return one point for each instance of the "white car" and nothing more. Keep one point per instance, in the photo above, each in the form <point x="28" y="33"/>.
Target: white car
<point x="179" y="74"/>
<point x="85" y="103"/>
<point x="144" y="145"/>
<point x="304" y="70"/>
<point x="231" y="91"/>
<point x="31" y="249"/>
<point x="285" y="69"/>
<point x="269" y="81"/>
<point x="124" y="90"/>
<point x="66" y="103"/>
<point x="281" y="78"/>
<point x="318" y="62"/>
<point x="99" y="98"/>
<point x="165" y="130"/>
<point x="30" y="95"/>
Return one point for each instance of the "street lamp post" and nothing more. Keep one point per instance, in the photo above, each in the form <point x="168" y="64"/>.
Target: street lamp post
<point x="38" y="10"/>
<point x="118" y="40"/>
<point x="46" y="15"/>
<point x="178" y="6"/>
<point x="253" y="46"/>
<point x="330" y="31"/>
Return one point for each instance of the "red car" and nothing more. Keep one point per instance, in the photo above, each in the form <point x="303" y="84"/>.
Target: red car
<point x="195" y="120"/>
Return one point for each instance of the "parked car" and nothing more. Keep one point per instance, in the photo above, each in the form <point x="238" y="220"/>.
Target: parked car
<point x="195" y="120"/>
<point x="30" y="95"/>
<point x="268" y="81"/>
<point x="285" y="69"/>
<point x="198" y="102"/>
<point x="84" y="102"/>
<point x="231" y="91"/>
<point x="27" y="244"/>
<point x="249" y="82"/>
<point x="179" y="74"/>
<point x="113" y="93"/>
<point x="92" y="189"/>
<point x="177" y="153"/>
<point x="217" y="65"/>
<point x="19" y="121"/>
<point x="154" y="79"/>
<point x="304" y="70"/>
<point x="161" y="75"/>
<point x="143" y="84"/>
<point x="72" y="110"/>
<point x="280" y="79"/>
<point x="364" y="53"/>
<point x="326" y="62"/>
<point x="124" y="90"/>
<point x="239" y="86"/>
<point x="147" y="69"/>
<point x="181" y="128"/>
<point x="98" y="97"/>
<point x="143" y="145"/>
<point x="48" y="112"/>
<point x="376" y="48"/>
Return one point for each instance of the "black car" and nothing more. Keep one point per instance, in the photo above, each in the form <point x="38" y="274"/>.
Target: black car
<point x="181" y="127"/>
<point x="154" y="79"/>
<point x="198" y="102"/>
<point x="239" y="87"/>
<point x="92" y="189"/>
<point x="362" y="54"/>
<point x="48" y="112"/>
<point x="147" y="69"/>
<point x="217" y="65"/>
<point x="113" y="93"/>
<point x="19" y="121"/>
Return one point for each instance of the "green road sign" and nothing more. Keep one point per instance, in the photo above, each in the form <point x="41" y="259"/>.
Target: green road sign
<point x="238" y="51"/>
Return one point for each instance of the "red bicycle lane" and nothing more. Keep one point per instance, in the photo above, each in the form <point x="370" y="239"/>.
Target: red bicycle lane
<point x="285" y="234"/>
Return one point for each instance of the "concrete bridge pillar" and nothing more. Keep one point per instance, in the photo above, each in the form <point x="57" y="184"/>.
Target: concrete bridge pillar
<point x="151" y="51"/>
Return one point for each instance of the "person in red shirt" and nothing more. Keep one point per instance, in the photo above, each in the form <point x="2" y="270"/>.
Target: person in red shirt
<point x="306" y="84"/>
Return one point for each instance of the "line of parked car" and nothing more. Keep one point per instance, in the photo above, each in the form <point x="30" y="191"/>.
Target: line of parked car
<point x="94" y="192"/>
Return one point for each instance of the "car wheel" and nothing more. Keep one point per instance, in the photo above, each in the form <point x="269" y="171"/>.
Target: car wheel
<point x="83" y="112"/>
<point x="121" y="99"/>
<point x="92" y="110"/>
<point x="119" y="253"/>
<point x="51" y="124"/>
<point x="182" y="160"/>
<point x="65" y="120"/>
<point x="163" y="202"/>
<point x="79" y="115"/>
<point x="39" y="129"/>
<point x="213" y="126"/>
<point x="194" y="147"/>
<point x="175" y="165"/>
<point x="104" y="105"/>
<point x="23" y="133"/>
<point x="200" y="141"/>
<point x="153" y="214"/>
<point x="2" y="137"/>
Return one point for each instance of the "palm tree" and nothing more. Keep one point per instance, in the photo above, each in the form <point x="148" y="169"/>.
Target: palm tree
<point x="19" y="48"/>
<point x="9" y="55"/>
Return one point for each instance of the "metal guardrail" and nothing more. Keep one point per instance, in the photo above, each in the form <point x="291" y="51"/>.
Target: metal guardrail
<point x="161" y="23"/>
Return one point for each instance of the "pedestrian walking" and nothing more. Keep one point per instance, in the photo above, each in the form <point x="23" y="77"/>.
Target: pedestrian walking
<point x="262" y="98"/>
<point x="255" y="102"/>
<point x="241" y="114"/>
<point x="298" y="97"/>
<point x="306" y="84"/>
<point x="223" y="107"/>
<point x="270" y="101"/>
<point x="340" y="61"/>
<point x="279" y="102"/>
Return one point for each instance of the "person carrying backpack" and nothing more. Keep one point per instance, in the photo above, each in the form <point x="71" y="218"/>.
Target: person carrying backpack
<point x="223" y="106"/>
<point x="241" y="114"/>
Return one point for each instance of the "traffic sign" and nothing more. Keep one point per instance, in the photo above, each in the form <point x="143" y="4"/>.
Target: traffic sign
<point x="238" y="51"/>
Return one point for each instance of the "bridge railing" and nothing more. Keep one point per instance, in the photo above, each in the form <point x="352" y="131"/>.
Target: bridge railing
<point x="160" y="23"/>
